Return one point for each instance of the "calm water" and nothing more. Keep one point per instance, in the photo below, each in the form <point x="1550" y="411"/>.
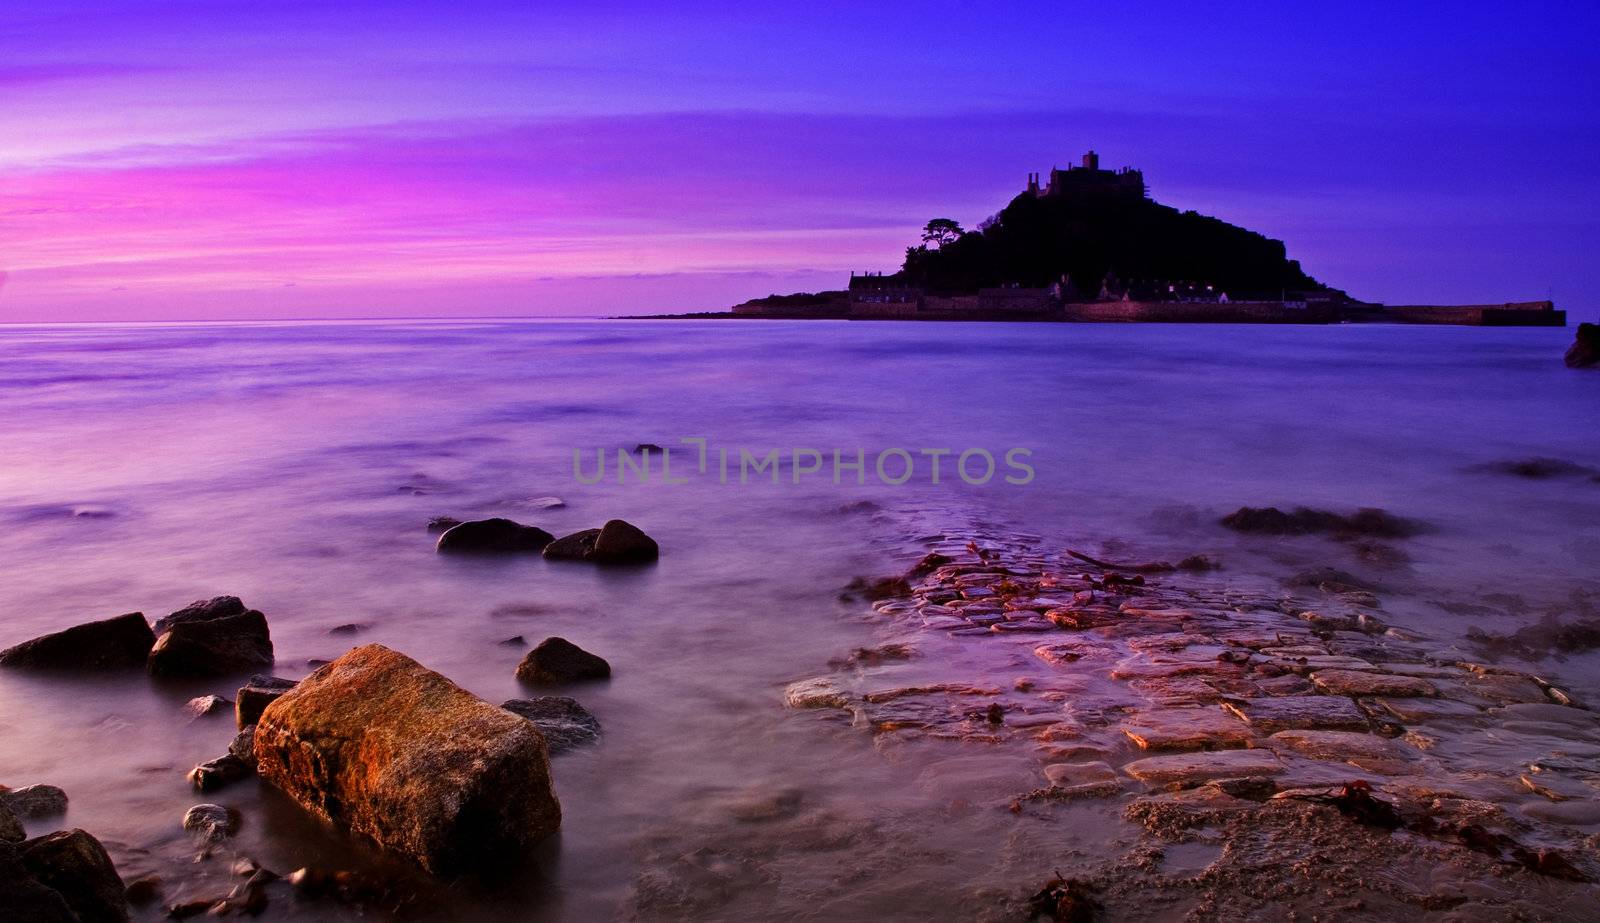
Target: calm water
<point x="295" y="466"/>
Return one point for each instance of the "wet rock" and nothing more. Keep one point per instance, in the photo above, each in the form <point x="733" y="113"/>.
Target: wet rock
<point x="1332" y="580"/>
<point x="620" y="542"/>
<point x="617" y="542"/>
<point x="110" y="644"/>
<point x="575" y="547"/>
<point x="1064" y="900"/>
<point x="207" y="705"/>
<point x="514" y="641"/>
<point x="1585" y="349"/>
<point x="1558" y="787"/>
<point x="348" y="629"/>
<point x="564" y="722"/>
<point x="212" y="637"/>
<point x="23" y="898"/>
<point x="442" y="524"/>
<point x="820" y="692"/>
<point x="385" y="748"/>
<point x="1419" y="711"/>
<point x="75" y="866"/>
<point x="35" y="802"/>
<point x="1268" y="715"/>
<point x="1193" y="768"/>
<point x="1083" y="780"/>
<point x="874" y="656"/>
<point x="1187" y="729"/>
<point x="211" y="822"/>
<point x="647" y="448"/>
<point x="557" y="660"/>
<point x="254" y="697"/>
<point x="1362" y="683"/>
<point x="219" y="773"/>
<point x="492" y="536"/>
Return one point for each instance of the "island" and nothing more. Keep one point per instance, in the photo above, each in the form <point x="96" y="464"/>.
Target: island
<point x="1090" y="244"/>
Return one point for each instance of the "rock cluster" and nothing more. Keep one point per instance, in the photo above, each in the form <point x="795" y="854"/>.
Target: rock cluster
<point x="1182" y="683"/>
<point x="617" y="542"/>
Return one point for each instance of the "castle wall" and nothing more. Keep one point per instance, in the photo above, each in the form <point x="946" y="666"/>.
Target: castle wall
<point x="1509" y="314"/>
<point x="1178" y="312"/>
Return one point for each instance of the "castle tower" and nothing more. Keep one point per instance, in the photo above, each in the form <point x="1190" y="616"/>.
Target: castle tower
<point x="1091" y="161"/>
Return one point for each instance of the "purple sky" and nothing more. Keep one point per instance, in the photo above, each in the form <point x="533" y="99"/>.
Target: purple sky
<point x="221" y="160"/>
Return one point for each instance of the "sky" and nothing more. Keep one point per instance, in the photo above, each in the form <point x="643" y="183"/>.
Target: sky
<point x="213" y="160"/>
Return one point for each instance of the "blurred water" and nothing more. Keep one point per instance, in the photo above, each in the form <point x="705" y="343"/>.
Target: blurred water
<point x="294" y="465"/>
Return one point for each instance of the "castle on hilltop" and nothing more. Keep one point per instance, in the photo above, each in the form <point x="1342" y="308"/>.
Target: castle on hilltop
<point x="1087" y="179"/>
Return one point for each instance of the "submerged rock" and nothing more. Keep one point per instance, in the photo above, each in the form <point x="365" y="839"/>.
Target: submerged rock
<point x="35" y="802"/>
<point x="1305" y="521"/>
<point x="557" y="660"/>
<point x="1194" y="768"/>
<point x="1585" y="349"/>
<point x="109" y="644"/>
<point x="1299" y="712"/>
<point x="492" y="536"/>
<point x="254" y="696"/>
<point x="211" y="637"/>
<point x="442" y="524"/>
<point x="74" y="865"/>
<point x="379" y="745"/>
<point x="818" y="692"/>
<point x="564" y="722"/>
<point x="211" y="822"/>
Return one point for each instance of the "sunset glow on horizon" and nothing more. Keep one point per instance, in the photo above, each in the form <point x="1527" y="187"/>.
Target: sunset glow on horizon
<point x="213" y="160"/>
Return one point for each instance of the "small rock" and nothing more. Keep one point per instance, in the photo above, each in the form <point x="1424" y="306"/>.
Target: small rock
<point x="617" y="542"/>
<point x="254" y="697"/>
<point x="492" y="536"/>
<point x="208" y="705"/>
<point x="442" y="524"/>
<point x="74" y="865"/>
<point x="110" y="644"/>
<point x="349" y="628"/>
<point x="514" y="641"/>
<point x="210" y="638"/>
<point x="557" y="660"/>
<point x="575" y="547"/>
<point x="564" y="723"/>
<point x="211" y="822"/>
<point x="219" y="773"/>
<point x="647" y="448"/>
<point x="35" y="802"/>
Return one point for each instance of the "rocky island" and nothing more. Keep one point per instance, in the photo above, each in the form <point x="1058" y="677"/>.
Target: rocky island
<point x="1090" y="244"/>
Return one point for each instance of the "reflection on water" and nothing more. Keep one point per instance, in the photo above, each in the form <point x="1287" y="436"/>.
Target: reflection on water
<point x="295" y="466"/>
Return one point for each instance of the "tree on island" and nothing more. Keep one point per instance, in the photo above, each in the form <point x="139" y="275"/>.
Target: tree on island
<point x="941" y="231"/>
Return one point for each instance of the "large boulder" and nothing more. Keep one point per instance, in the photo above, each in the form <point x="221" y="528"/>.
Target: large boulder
<point x="492" y="536"/>
<point x="564" y="722"/>
<point x="23" y="898"/>
<point x="1585" y="349"/>
<point x="557" y="660"/>
<point x="379" y="745"/>
<point x="74" y="865"/>
<point x="117" y="643"/>
<point x="210" y="638"/>
<point x="617" y="542"/>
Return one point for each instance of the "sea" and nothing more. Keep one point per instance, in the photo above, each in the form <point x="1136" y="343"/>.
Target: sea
<point x="296" y="465"/>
